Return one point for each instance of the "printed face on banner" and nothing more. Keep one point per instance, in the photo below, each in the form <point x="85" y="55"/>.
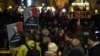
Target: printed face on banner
<point x="14" y="34"/>
<point x="31" y="18"/>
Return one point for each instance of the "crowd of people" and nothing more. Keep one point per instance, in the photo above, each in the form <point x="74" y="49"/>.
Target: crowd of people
<point x="64" y="43"/>
<point x="66" y="35"/>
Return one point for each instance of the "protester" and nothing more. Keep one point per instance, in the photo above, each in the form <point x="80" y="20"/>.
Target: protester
<point x="52" y="49"/>
<point x="22" y="51"/>
<point x="94" y="45"/>
<point x="67" y="46"/>
<point x="77" y="49"/>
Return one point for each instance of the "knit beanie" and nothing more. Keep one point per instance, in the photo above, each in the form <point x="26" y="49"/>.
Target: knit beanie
<point x="93" y="37"/>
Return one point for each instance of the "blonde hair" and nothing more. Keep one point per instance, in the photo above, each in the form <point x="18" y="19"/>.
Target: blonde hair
<point x="52" y="47"/>
<point x="75" y="42"/>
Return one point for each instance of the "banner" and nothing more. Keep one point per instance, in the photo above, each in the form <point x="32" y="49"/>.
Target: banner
<point x="79" y="14"/>
<point x="31" y="20"/>
<point x="14" y="31"/>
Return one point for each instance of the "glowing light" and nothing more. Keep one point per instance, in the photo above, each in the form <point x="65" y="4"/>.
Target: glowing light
<point x="29" y="2"/>
<point x="73" y="4"/>
<point x="22" y="0"/>
<point x="53" y="9"/>
<point x="9" y="7"/>
<point x="96" y="11"/>
<point x="87" y="4"/>
<point x="87" y="8"/>
<point x="0" y="9"/>
<point x="40" y="7"/>
<point x="63" y="10"/>
<point x="96" y="32"/>
<point x="81" y="4"/>
<point x="20" y="9"/>
<point x="48" y="8"/>
<point x="43" y="4"/>
<point x="72" y="10"/>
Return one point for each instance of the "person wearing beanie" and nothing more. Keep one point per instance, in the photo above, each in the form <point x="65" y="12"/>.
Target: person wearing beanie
<point x="68" y="36"/>
<point x="67" y="43"/>
<point x="94" y="45"/>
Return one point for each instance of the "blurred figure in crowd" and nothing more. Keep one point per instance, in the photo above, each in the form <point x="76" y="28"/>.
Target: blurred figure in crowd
<point x="52" y="49"/>
<point x="32" y="32"/>
<point x="44" y="44"/>
<point x="22" y="51"/>
<point x="59" y="37"/>
<point x="67" y="46"/>
<point x="77" y="49"/>
<point x="94" y="45"/>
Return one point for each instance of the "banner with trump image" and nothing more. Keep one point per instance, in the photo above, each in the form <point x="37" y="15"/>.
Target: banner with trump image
<point x="14" y="31"/>
<point x="31" y="20"/>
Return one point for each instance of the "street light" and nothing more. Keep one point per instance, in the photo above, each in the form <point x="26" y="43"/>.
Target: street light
<point x="9" y="7"/>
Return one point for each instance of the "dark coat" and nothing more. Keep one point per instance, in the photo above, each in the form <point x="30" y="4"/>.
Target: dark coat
<point x="76" y="51"/>
<point x="67" y="48"/>
<point x="94" y="51"/>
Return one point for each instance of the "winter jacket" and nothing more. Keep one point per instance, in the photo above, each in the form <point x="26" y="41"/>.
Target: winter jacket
<point x="22" y="51"/>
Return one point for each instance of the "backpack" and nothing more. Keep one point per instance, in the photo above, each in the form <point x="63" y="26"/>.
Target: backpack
<point x="32" y="52"/>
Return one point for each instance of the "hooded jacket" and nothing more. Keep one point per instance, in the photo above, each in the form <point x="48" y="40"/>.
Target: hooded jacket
<point x="22" y="51"/>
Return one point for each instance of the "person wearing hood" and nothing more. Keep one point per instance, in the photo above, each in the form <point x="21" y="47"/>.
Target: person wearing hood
<point x="22" y="51"/>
